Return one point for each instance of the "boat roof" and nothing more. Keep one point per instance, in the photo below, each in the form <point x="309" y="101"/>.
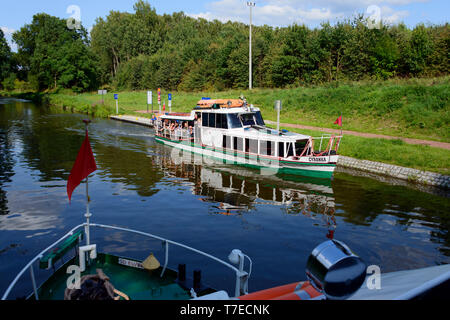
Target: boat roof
<point x="265" y="133"/>
<point x="178" y="116"/>
<point x="405" y="284"/>
<point x="221" y="103"/>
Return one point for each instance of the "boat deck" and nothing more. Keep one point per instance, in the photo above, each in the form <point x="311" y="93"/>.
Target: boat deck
<point x="137" y="284"/>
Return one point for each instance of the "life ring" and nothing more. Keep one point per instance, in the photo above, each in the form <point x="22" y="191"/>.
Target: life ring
<point x="295" y="291"/>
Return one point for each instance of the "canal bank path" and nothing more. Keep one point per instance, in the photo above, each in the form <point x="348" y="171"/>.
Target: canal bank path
<point x="430" y="143"/>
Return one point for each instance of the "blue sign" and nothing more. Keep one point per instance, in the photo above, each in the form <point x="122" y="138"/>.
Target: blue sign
<point x="204" y="98"/>
<point x="116" y="96"/>
<point x="170" y="96"/>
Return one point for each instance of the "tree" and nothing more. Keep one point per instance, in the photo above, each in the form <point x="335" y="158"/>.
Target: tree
<point x="5" y="57"/>
<point x="56" y="55"/>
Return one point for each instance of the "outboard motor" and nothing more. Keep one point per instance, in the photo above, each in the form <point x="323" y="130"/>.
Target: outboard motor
<point x="334" y="270"/>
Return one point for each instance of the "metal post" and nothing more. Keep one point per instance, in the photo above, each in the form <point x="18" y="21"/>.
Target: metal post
<point x="117" y="106"/>
<point x="166" y="261"/>
<point x="251" y="5"/>
<point x="88" y="214"/>
<point x="278" y="119"/>
<point x="33" y="281"/>
<point x="278" y="108"/>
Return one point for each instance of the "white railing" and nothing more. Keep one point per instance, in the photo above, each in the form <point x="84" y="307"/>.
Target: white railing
<point x="241" y="275"/>
<point x="30" y="264"/>
<point x="174" y="134"/>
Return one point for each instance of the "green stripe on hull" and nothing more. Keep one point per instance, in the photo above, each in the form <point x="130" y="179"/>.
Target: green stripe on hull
<point x="284" y="170"/>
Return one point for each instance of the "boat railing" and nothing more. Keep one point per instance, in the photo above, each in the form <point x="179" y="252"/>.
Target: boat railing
<point x="178" y="134"/>
<point x="332" y="141"/>
<point x="241" y="275"/>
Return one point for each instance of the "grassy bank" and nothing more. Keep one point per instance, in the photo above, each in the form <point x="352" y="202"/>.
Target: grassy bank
<point x="415" y="108"/>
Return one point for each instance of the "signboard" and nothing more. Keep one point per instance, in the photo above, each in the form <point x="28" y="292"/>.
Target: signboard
<point x="116" y="96"/>
<point x="102" y="91"/>
<point x="170" y="100"/>
<point x="149" y="97"/>
<point x="277" y="105"/>
<point x="159" y="95"/>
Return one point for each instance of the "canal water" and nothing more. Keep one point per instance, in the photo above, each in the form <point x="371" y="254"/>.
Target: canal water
<point x="213" y="207"/>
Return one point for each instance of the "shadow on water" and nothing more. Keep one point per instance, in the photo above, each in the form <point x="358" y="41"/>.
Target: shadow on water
<point x="215" y="207"/>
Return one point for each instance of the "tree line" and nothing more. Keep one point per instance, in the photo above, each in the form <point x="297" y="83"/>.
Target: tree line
<point x="143" y="50"/>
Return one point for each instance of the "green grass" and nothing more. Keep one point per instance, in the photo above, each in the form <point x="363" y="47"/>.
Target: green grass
<point x="415" y="108"/>
<point x="394" y="152"/>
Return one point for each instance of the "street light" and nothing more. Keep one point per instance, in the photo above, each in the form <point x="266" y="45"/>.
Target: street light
<point x="251" y="5"/>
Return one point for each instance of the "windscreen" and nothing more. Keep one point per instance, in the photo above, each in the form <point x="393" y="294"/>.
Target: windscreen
<point x="247" y="119"/>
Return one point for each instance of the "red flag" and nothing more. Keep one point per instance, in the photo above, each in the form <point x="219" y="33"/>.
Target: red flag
<point x="164" y="106"/>
<point x="339" y="121"/>
<point x="83" y="166"/>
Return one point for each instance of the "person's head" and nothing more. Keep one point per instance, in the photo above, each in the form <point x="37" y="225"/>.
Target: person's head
<point x="92" y="289"/>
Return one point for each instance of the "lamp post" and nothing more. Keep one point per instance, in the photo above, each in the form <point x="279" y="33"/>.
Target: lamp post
<point x="251" y="5"/>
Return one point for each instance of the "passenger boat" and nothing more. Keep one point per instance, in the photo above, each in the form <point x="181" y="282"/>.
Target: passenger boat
<point x="235" y="132"/>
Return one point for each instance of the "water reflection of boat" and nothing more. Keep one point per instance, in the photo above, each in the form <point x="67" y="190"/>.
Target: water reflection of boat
<point x="234" y="190"/>
<point x="241" y="188"/>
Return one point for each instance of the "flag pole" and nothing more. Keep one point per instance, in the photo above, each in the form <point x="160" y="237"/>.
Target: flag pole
<point x="88" y="214"/>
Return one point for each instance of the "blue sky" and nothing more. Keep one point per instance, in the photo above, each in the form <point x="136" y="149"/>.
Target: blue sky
<point x="14" y="14"/>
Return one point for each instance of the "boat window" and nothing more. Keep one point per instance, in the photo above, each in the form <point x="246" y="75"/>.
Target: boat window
<point x="205" y="120"/>
<point x="300" y="146"/>
<point x="281" y="149"/>
<point x="238" y="143"/>
<point x="212" y="120"/>
<point x="267" y="148"/>
<point x="251" y="145"/>
<point x="233" y="121"/>
<point x="221" y="121"/>
<point x="290" y="149"/>
<point x="247" y="119"/>
<point x="226" y="142"/>
<point x="224" y="121"/>
<point x="259" y="119"/>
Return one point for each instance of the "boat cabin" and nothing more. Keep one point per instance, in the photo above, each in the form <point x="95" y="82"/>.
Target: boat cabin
<point x="233" y="126"/>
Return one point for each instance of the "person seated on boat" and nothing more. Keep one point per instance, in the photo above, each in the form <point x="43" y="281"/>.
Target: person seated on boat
<point x="185" y="130"/>
<point x="165" y="124"/>
<point x="191" y="131"/>
<point x="94" y="287"/>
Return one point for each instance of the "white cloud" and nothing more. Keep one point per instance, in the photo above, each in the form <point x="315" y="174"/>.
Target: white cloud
<point x="7" y="31"/>
<point x="287" y="12"/>
<point x="8" y="36"/>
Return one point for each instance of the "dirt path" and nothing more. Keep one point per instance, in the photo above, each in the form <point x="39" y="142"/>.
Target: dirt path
<point x="430" y="143"/>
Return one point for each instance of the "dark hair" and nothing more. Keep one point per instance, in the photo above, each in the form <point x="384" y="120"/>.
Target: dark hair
<point x="91" y="290"/>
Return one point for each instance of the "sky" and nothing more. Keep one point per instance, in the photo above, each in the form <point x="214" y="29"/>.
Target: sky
<point x="278" y="13"/>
